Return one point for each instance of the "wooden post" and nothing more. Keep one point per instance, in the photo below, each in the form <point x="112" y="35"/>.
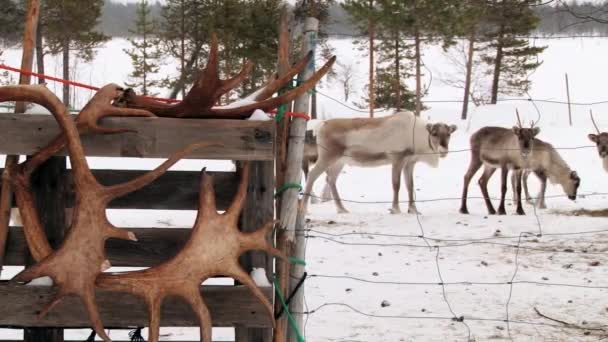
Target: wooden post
<point x="49" y="188"/>
<point x="569" y="104"/>
<point x="282" y="134"/>
<point x="290" y="209"/>
<point x="259" y="209"/>
<point x="29" y="42"/>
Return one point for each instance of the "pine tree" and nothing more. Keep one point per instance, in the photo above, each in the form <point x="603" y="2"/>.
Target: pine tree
<point x="468" y="23"/>
<point x="11" y="22"/>
<point x="424" y="21"/>
<point x="514" y="57"/>
<point x="69" y="25"/>
<point x="144" y="52"/>
<point x="364" y="14"/>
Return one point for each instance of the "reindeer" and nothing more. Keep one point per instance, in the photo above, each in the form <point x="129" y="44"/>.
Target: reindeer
<point x="601" y="141"/>
<point x="401" y="140"/>
<point x="518" y="150"/>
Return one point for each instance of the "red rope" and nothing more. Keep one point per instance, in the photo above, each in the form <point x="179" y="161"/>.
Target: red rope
<point x="292" y="114"/>
<point x="76" y="84"/>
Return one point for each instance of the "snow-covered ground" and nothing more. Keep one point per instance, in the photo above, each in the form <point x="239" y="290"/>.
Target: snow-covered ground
<point x="397" y="293"/>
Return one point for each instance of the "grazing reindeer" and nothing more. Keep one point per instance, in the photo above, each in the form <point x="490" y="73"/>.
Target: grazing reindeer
<point x="401" y="139"/>
<point x="601" y="141"/>
<point x="517" y="150"/>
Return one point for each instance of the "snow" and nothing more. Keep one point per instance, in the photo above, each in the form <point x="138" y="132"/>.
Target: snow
<point x="259" y="277"/>
<point x="371" y="245"/>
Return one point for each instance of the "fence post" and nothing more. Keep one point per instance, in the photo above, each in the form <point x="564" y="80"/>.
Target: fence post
<point x="6" y="196"/>
<point x="569" y="104"/>
<point x="296" y="150"/>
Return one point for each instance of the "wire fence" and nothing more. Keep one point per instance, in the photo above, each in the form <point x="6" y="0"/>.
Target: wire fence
<point x="529" y="240"/>
<point x="437" y="245"/>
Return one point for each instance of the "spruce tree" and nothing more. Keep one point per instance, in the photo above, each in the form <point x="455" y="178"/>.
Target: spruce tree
<point x="365" y="15"/>
<point x="469" y="22"/>
<point x="69" y="26"/>
<point x="422" y="20"/>
<point x="513" y="58"/>
<point x="144" y="52"/>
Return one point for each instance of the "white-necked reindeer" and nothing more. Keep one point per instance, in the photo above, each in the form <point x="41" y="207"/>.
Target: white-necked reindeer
<point x="601" y="141"/>
<point x="401" y="139"/>
<point x="515" y="149"/>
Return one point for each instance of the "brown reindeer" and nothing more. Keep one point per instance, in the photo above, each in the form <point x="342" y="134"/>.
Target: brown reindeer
<point x="515" y="149"/>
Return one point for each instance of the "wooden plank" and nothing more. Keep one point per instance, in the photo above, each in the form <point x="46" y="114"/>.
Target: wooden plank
<point x="154" y="246"/>
<point x="155" y="137"/>
<point x="175" y="190"/>
<point x="229" y="306"/>
<point x="259" y="209"/>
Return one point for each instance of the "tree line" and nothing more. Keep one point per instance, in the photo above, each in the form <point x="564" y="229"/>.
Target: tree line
<point x="392" y="33"/>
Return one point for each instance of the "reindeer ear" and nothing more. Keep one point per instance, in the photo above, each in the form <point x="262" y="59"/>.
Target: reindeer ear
<point x="535" y="131"/>
<point x="453" y="128"/>
<point x="594" y="137"/>
<point x="516" y="130"/>
<point x="429" y="127"/>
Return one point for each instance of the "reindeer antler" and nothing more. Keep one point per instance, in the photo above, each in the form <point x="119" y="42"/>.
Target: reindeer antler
<point x="593" y="120"/>
<point x="208" y="88"/>
<point x="213" y="248"/>
<point x="81" y="257"/>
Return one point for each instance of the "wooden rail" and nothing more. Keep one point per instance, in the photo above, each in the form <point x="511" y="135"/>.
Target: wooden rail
<point x="155" y="137"/>
<point x="154" y="245"/>
<point x="175" y="190"/>
<point x="229" y="306"/>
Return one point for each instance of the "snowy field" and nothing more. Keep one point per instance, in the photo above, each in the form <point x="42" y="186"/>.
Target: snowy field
<point x="374" y="277"/>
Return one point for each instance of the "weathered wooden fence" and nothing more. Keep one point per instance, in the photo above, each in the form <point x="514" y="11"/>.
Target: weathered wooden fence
<point x="230" y="306"/>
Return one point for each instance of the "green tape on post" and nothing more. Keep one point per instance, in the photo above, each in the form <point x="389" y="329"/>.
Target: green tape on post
<point x="287" y="186"/>
<point x="292" y="321"/>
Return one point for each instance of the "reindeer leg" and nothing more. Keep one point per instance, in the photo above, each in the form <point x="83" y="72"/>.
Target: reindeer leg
<point x="525" y="176"/>
<point x="396" y="178"/>
<point x="520" y="209"/>
<point x="473" y="167"/>
<point x="543" y="188"/>
<point x="332" y="177"/>
<point x="306" y="169"/>
<point x="326" y="192"/>
<point x="408" y="173"/>
<point x="321" y="166"/>
<point x="504" y="172"/>
<point x="514" y="187"/>
<point x="488" y="171"/>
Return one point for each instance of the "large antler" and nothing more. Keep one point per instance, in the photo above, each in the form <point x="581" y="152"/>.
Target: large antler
<point x="213" y="249"/>
<point x="81" y="257"/>
<point x="202" y="97"/>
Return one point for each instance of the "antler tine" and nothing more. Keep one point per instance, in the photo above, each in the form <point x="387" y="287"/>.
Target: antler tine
<point x="231" y="83"/>
<point x="206" y="201"/>
<point x="37" y="242"/>
<point x="203" y="315"/>
<point x="244" y="111"/>
<point x="41" y="95"/>
<point x="119" y="190"/>
<point x="593" y="120"/>
<point x="276" y="83"/>
<point x="101" y="106"/>
<point x="239" y="199"/>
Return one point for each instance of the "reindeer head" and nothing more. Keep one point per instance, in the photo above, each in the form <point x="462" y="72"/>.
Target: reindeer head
<point x="525" y="138"/>
<point x="571" y="184"/>
<point x="601" y="141"/>
<point x="439" y="137"/>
